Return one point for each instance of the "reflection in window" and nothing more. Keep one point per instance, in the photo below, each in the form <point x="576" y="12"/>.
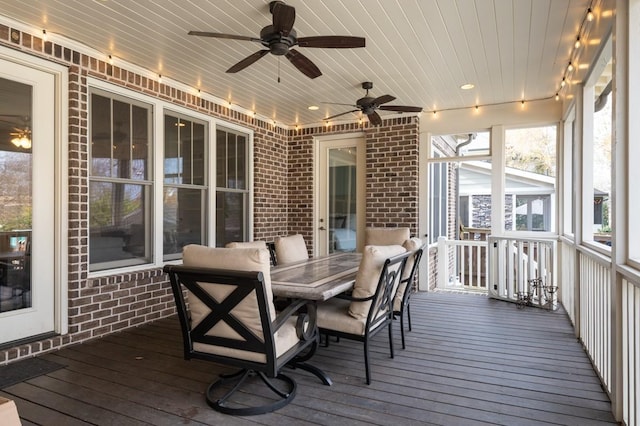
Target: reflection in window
<point x="232" y="193"/>
<point x="185" y="193"/>
<point x="120" y="186"/>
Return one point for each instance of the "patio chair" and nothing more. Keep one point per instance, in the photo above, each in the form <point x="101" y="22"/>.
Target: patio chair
<point x="255" y="244"/>
<point x="369" y="308"/>
<point x="290" y="249"/>
<point x="385" y="236"/>
<point x="403" y="294"/>
<point x="227" y="316"/>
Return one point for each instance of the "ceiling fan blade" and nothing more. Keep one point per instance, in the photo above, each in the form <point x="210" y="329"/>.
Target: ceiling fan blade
<point x="283" y="17"/>
<point x="248" y="61"/>
<point x="221" y="35"/>
<point x="303" y="63"/>
<point x="383" y="99"/>
<point x="374" y="119"/>
<point x="337" y="103"/>
<point x="342" y="113"/>
<point x="401" y="108"/>
<point x="332" y="42"/>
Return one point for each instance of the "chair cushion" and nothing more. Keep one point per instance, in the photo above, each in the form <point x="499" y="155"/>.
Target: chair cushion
<point x="373" y="258"/>
<point x="247" y="244"/>
<point x="386" y="236"/>
<point x="290" y="249"/>
<point x="241" y="259"/>
<point x="412" y="245"/>
<point x="333" y="314"/>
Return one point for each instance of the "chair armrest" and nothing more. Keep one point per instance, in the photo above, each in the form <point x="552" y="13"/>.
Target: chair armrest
<point x="306" y="323"/>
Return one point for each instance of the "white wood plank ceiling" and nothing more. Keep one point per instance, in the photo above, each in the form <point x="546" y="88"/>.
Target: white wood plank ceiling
<point x="420" y="51"/>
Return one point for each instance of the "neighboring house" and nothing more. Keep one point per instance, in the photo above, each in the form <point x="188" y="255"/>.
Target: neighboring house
<point x="529" y="200"/>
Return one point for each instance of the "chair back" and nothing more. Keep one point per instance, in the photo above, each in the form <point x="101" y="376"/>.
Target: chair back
<point x="416" y="248"/>
<point x="381" y="310"/>
<point x="385" y="236"/>
<point x="290" y="249"/>
<point x="219" y="328"/>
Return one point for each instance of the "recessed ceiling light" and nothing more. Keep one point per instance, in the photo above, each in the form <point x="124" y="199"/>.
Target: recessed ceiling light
<point x="467" y="86"/>
<point x="313" y="107"/>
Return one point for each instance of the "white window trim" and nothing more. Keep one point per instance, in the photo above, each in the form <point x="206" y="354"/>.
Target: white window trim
<point x="158" y="108"/>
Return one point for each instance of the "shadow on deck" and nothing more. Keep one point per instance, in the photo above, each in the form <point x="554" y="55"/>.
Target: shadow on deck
<point x="469" y="360"/>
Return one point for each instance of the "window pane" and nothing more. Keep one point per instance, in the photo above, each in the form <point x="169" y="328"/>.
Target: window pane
<point x="230" y="217"/>
<point x="117" y="225"/>
<point x="121" y="140"/>
<point x="100" y="136"/>
<point x="140" y="146"/>
<point x="474" y="186"/>
<point x="172" y="160"/>
<point x="183" y="220"/>
<point x="602" y="207"/>
<point x="198" y="154"/>
<point x="530" y="181"/>
<point x="241" y="182"/>
<point x="232" y="160"/>
<point x="184" y="130"/>
<point x="221" y="158"/>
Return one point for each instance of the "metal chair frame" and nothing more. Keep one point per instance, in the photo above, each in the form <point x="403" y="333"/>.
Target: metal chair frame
<point x="381" y="310"/>
<point x="191" y="279"/>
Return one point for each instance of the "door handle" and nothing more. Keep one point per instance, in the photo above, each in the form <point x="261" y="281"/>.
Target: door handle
<point x="322" y="228"/>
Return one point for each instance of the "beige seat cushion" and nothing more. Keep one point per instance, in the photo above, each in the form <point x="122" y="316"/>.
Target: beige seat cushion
<point x="386" y="236"/>
<point x="412" y="245"/>
<point x="247" y="244"/>
<point x="290" y="249"/>
<point x="373" y="258"/>
<point x="333" y="314"/>
<point x="242" y="259"/>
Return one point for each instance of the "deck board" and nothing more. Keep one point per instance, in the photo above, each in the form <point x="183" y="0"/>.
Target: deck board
<point x="469" y="360"/>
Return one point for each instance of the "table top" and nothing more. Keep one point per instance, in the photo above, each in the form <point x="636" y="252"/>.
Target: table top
<point x="318" y="278"/>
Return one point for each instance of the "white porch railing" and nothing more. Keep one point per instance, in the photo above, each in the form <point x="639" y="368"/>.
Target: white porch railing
<point x="630" y="352"/>
<point x="595" y="313"/>
<point x="462" y="264"/>
<point x="522" y="270"/>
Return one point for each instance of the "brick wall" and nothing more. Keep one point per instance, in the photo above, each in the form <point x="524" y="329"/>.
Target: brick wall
<point x="283" y="192"/>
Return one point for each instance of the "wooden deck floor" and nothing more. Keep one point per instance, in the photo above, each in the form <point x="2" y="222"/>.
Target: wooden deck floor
<point x="469" y="360"/>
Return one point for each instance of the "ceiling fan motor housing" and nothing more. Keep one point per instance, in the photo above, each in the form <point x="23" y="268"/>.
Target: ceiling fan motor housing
<point x="277" y="43"/>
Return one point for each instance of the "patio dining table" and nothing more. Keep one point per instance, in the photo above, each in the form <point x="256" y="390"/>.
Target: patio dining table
<point x="318" y="278"/>
<point x="315" y="279"/>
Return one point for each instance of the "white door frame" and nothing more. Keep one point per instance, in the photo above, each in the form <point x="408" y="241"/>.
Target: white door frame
<point x="321" y="146"/>
<point x="49" y="312"/>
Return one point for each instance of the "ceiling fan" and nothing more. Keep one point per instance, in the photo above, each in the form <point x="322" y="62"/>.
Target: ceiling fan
<point x="279" y="38"/>
<point x="368" y="105"/>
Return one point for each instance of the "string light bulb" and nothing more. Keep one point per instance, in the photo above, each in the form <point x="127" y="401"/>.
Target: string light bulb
<point x="110" y="59"/>
<point x="563" y="82"/>
<point x="590" y="15"/>
<point x="44" y="35"/>
<point x="577" y="43"/>
<point x="159" y="78"/>
<point x="570" y="67"/>
<point x="557" y="96"/>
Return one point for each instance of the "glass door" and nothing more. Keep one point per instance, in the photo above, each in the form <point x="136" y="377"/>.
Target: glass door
<point x="26" y="172"/>
<point x="340" y="214"/>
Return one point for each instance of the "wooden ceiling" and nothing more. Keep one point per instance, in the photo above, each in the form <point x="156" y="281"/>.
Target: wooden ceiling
<point x="420" y="51"/>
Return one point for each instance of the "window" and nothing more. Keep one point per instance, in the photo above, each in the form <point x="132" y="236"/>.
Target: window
<point x="530" y="178"/>
<point x="232" y="187"/>
<point x="185" y="190"/>
<point x="120" y="181"/>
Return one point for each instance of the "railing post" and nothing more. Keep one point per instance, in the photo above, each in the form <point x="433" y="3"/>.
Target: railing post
<point x="443" y="264"/>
